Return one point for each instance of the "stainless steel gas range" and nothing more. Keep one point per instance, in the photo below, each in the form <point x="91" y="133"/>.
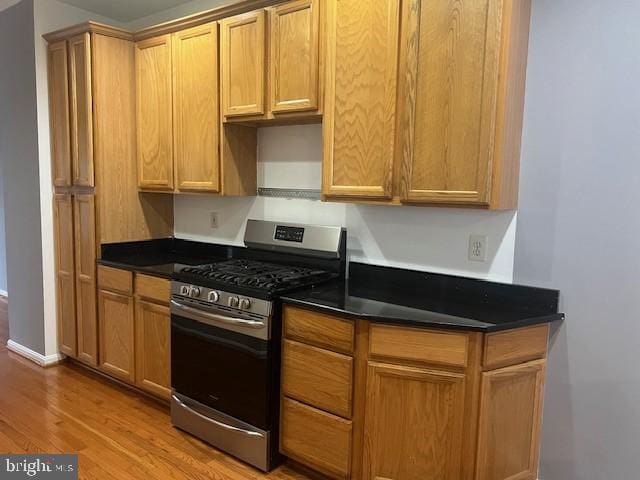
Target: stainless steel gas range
<point x="226" y="332"/>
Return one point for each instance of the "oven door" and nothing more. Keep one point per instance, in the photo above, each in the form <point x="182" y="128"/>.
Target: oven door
<point x="222" y="369"/>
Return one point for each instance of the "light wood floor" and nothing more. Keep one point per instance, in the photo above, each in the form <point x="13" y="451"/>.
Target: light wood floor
<point x="117" y="433"/>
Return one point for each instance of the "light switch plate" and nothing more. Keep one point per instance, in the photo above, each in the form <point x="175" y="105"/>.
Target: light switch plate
<point x="478" y="248"/>
<point x="214" y="219"/>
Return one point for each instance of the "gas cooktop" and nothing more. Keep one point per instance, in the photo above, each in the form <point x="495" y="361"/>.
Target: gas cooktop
<point x="253" y="277"/>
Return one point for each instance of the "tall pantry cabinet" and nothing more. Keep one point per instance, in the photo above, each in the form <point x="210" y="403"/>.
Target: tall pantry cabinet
<point x="92" y="118"/>
<point x="74" y="205"/>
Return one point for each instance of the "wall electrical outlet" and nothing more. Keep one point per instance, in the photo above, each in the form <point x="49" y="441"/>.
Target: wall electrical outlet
<point x="214" y="220"/>
<point x="478" y="248"/>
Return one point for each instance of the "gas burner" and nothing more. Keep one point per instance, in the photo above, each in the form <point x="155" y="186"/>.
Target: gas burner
<point x="252" y="274"/>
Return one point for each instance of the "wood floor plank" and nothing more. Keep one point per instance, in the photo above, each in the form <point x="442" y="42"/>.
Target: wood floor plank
<point x="117" y="433"/>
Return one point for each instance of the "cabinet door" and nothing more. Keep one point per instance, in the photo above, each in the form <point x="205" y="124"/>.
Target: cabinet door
<point x="451" y="83"/>
<point x="153" y="347"/>
<point x="196" y="128"/>
<point x="509" y="427"/>
<point x="85" y="256"/>
<point x="294" y="49"/>
<point x="154" y="119"/>
<point x="59" y="114"/>
<point x="65" y="274"/>
<point x="360" y="107"/>
<point x="413" y="424"/>
<point x="116" y="335"/>
<point x="243" y="64"/>
<point x="81" y="110"/>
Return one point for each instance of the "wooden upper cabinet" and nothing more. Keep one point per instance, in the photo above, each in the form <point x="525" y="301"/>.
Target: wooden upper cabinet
<point x="81" y="110"/>
<point x="85" y="262"/>
<point x="196" y="128"/>
<point x="243" y="64"/>
<point x="294" y="48"/>
<point x="463" y="101"/>
<point x="65" y="274"/>
<point x="154" y="117"/>
<point x="360" y="113"/>
<point x="59" y="114"/>
<point x="413" y="423"/>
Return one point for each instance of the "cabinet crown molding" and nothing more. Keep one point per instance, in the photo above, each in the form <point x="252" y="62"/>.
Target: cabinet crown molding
<point x="91" y="27"/>
<point x="171" y="26"/>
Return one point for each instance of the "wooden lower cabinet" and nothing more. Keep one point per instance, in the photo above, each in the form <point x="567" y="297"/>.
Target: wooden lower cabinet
<point x="65" y="274"/>
<point x="422" y="404"/>
<point x="116" y="335"/>
<point x="76" y="295"/>
<point x="318" y="377"/>
<point x="153" y="345"/>
<point x="85" y="263"/>
<point x="135" y="329"/>
<point x="413" y="424"/>
<point x="316" y="438"/>
<point x="510" y="420"/>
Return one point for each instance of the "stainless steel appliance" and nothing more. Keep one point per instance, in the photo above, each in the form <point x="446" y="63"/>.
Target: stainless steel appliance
<point x="226" y="329"/>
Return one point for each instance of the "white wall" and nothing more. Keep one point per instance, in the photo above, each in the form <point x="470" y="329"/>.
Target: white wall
<point x="50" y="15"/>
<point x="19" y="157"/>
<point x="434" y="239"/>
<point x="179" y="11"/>
<point x="579" y="230"/>
<point x="3" y="245"/>
<point x="4" y="4"/>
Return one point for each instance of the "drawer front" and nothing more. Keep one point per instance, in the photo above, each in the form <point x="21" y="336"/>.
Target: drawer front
<point x="315" y="438"/>
<point x="317" y="329"/>
<point x="503" y="349"/>
<point x="115" y="280"/>
<point x="153" y="288"/>
<point x="419" y="345"/>
<point x="318" y="377"/>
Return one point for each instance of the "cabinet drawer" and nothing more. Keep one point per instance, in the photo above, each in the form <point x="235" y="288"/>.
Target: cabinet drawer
<point x="153" y="288"/>
<point x="115" y="280"/>
<point x="317" y="377"/>
<point x="418" y="345"/>
<point x="318" y="329"/>
<point x="315" y="438"/>
<point x="516" y="346"/>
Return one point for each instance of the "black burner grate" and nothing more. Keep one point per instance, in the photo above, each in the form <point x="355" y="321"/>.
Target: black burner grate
<point x="255" y="274"/>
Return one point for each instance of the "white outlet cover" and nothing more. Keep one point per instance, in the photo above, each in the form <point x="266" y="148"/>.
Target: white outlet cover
<point x="478" y="245"/>
<point x="214" y="220"/>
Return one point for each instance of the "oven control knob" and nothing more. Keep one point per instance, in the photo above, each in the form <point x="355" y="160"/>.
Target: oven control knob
<point x="233" y="302"/>
<point x="184" y="290"/>
<point x="245" y="303"/>
<point x="195" y="292"/>
<point x="213" y="296"/>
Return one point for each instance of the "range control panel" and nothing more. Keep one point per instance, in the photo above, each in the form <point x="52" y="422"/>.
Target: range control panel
<point x="289" y="234"/>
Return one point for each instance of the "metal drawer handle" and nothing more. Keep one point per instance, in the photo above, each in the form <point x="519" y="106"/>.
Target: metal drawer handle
<point x="249" y="433"/>
<point x="218" y="318"/>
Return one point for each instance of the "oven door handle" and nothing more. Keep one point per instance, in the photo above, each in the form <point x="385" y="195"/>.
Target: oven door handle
<point x="231" y="428"/>
<point x="218" y="318"/>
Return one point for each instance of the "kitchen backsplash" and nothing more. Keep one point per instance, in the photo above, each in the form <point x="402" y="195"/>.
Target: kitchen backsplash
<point x="434" y="239"/>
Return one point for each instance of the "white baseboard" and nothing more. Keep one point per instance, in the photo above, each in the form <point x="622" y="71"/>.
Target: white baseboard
<point x="42" y="360"/>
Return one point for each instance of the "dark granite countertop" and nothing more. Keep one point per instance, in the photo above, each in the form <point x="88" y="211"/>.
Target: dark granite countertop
<point x="162" y="257"/>
<point x="379" y="294"/>
<point x="405" y="297"/>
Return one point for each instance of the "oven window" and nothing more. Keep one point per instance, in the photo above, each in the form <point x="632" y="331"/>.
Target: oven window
<point x="227" y="371"/>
